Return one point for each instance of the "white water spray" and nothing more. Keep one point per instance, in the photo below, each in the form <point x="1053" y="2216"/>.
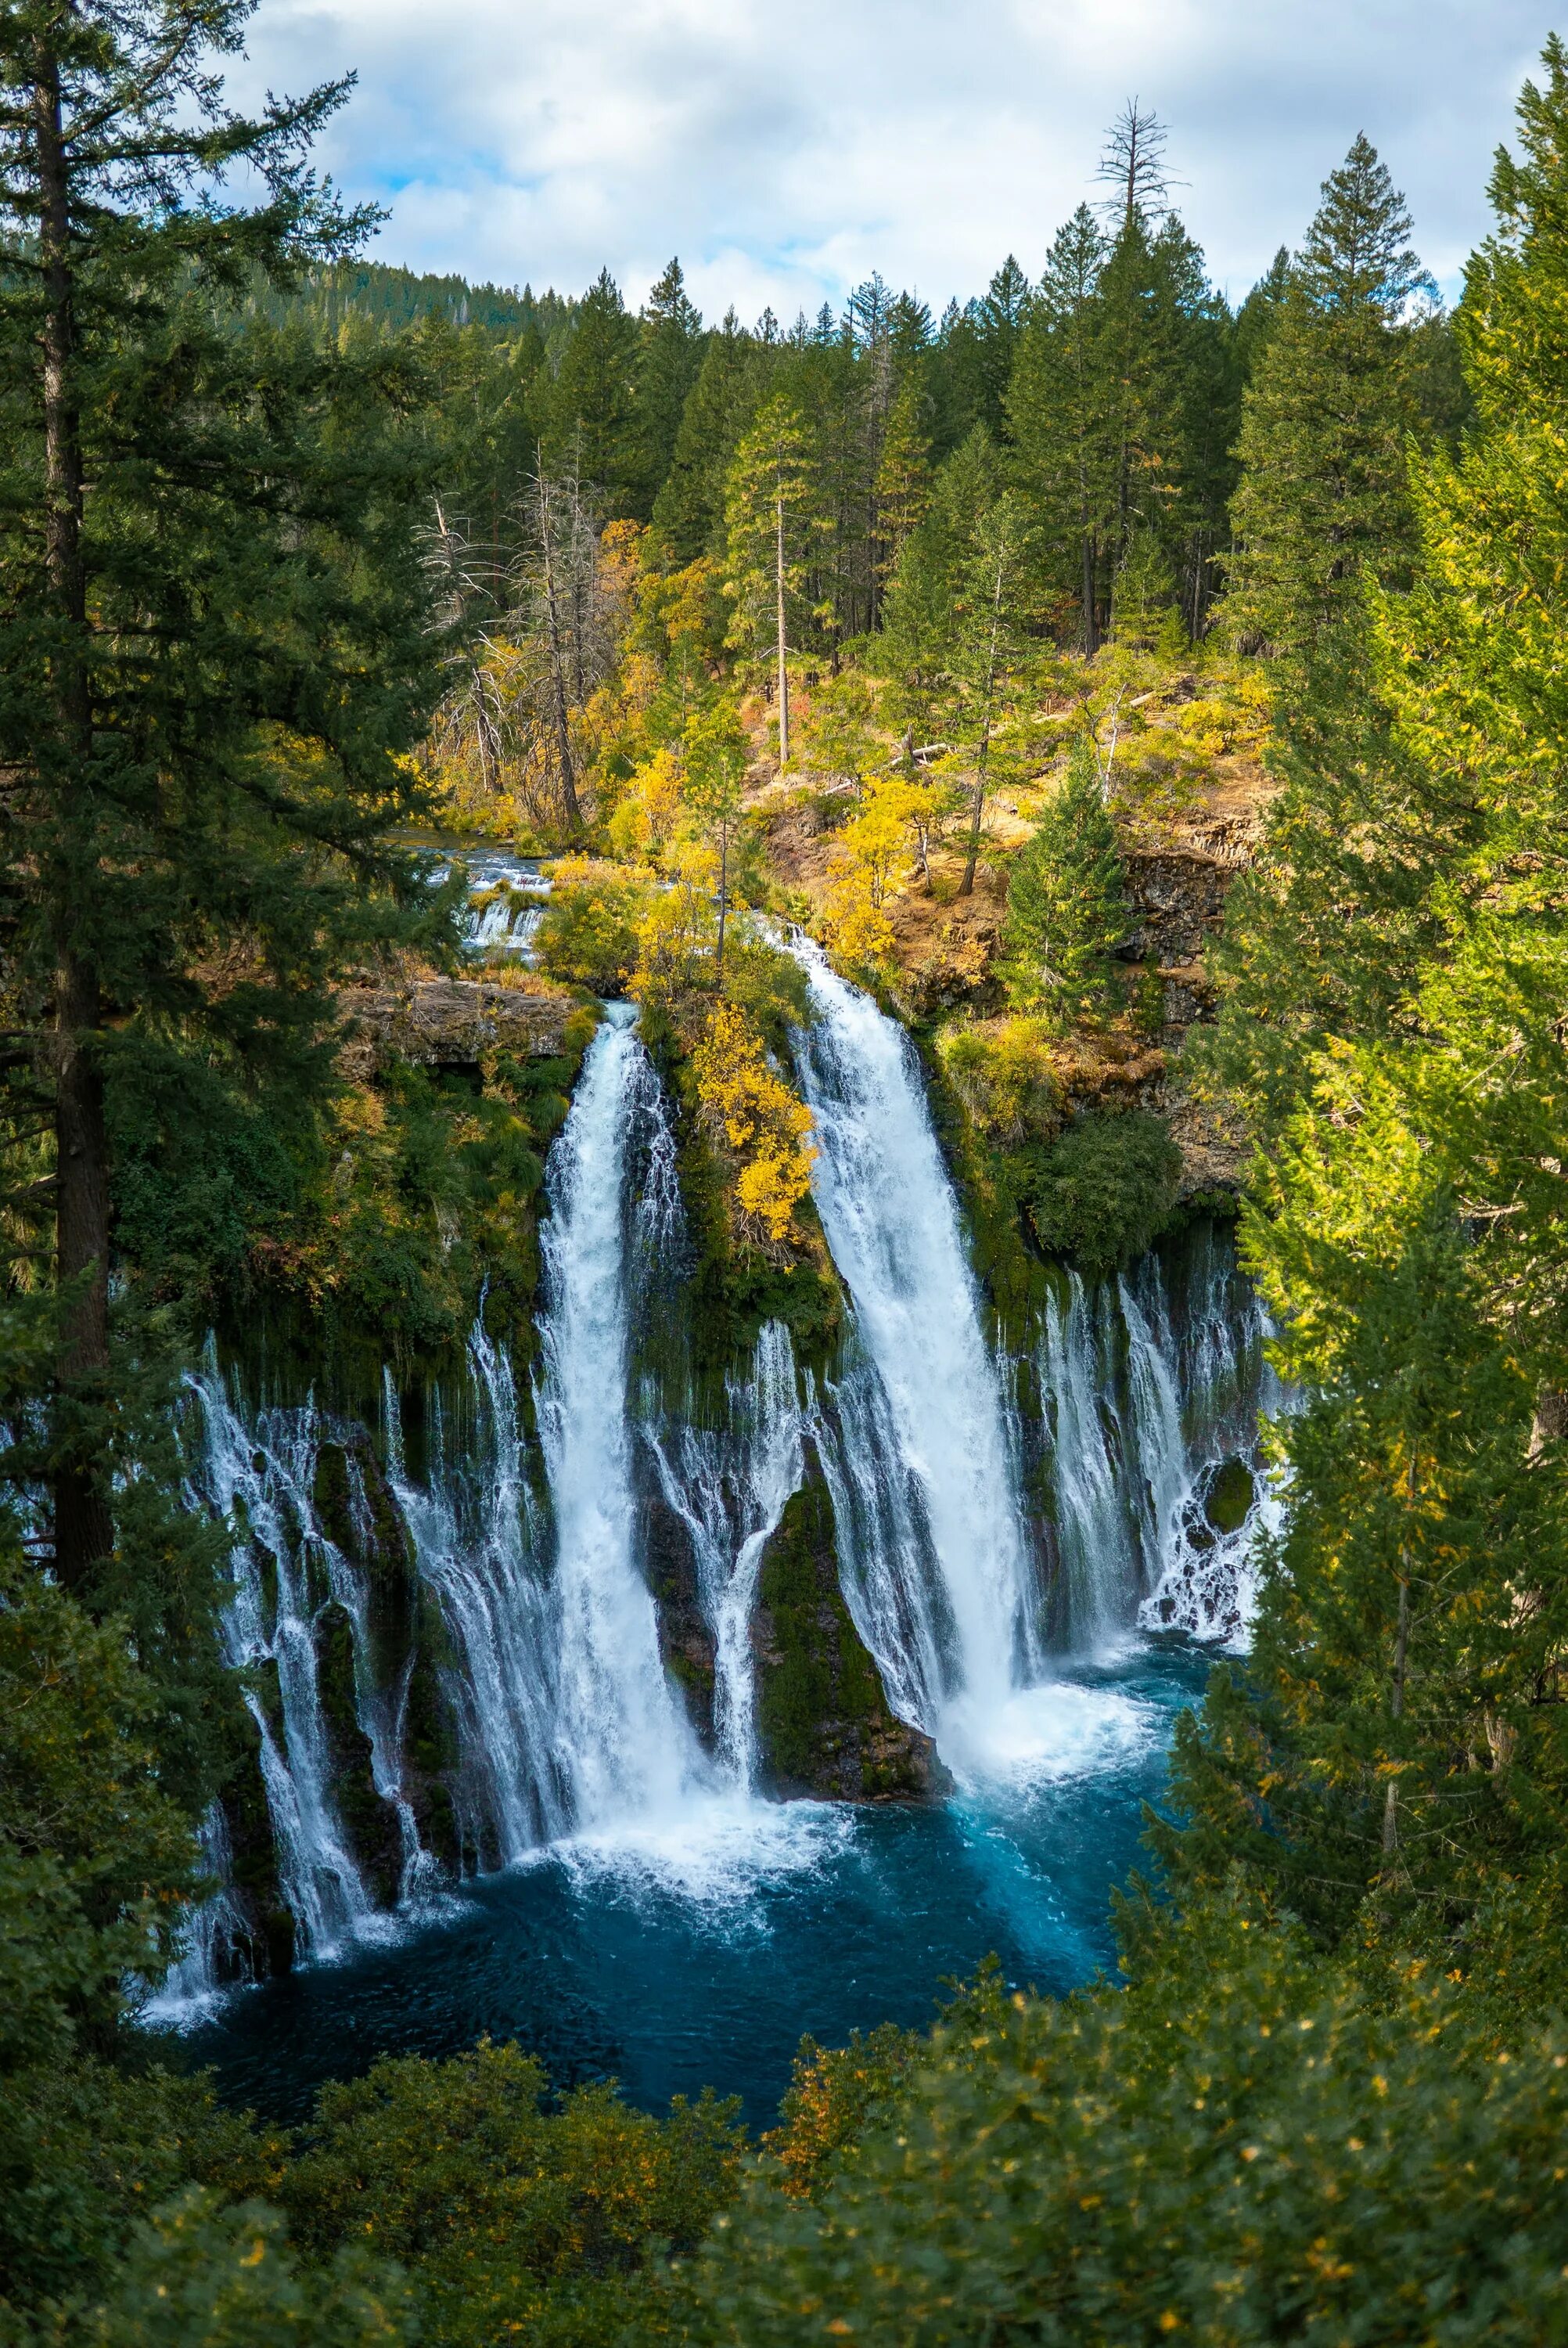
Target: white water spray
<point x="261" y="1480"/>
<point x="624" y="1747"/>
<point x="730" y="1486"/>
<point x="892" y="1224"/>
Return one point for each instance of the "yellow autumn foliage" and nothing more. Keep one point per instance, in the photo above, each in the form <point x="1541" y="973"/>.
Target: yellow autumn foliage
<point x="874" y="856"/>
<point x="748" y="1106"/>
<point x="858" y="931"/>
<point x="645" y="820"/>
<point x="676" y="932"/>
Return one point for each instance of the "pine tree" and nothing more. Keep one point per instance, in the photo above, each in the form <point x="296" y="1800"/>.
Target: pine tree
<point x="1066" y="912"/>
<point x="1394" y="1764"/>
<point x="717" y="755"/>
<point x="770" y="512"/>
<point x="212" y="626"/>
<point x="903" y="477"/>
<point x="670" y="354"/>
<point x="1001" y="317"/>
<point x="590" y="419"/>
<point x="1322" y="501"/>
<point x="1057" y="411"/>
<point x="689" y="510"/>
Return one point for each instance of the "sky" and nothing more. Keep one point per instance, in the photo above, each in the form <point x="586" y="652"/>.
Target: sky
<point x="786" y="151"/>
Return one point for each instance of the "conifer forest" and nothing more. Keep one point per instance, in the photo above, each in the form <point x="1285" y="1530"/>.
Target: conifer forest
<point x="783" y="1331"/>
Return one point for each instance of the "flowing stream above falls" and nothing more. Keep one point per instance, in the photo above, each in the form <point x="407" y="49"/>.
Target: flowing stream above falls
<point x="509" y="1770"/>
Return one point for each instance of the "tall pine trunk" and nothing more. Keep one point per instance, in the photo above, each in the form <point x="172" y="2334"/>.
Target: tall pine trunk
<point x="784" y="669"/>
<point x="558" y="662"/>
<point x="982" y="759"/>
<point x="83" y="1529"/>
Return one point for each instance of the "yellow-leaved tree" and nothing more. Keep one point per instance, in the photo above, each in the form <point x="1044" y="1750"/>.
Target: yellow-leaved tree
<point x="678" y="931"/>
<point x="874" y="855"/>
<point x="650" y="809"/>
<point x="749" y="1109"/>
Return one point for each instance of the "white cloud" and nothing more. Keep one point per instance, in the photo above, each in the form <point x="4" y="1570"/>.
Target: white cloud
<point x="785" y="153"/>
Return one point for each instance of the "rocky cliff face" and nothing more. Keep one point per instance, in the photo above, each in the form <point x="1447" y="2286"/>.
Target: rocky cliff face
<point x="453" y="1021"/>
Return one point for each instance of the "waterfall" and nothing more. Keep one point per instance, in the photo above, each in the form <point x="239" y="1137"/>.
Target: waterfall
<point x="623" y="1744"/>
<point x="261" y="1482"/>
<point x="893" y="1227"/>
<point x="729" y="1488"/>
<point x="477" y="1535"/>
<point x="1152" y="1401"/>
<point x="216" y="1936"/>
<point x="528" y="1612"/>
<point x="1099" y="1565"/>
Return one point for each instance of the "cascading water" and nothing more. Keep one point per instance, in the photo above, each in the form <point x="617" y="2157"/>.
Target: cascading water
<point x="261" y="1482"/>
<point x="477" y="1535"/>
<point x="892" y="1224"/>
<point x="1153" y="1395"/>
<point x="729" y="1488"/>
<point x="216" y="1935"/>
<point x="623" y="1744"/>
<point x="921" y="1457"/>
<point x="569" y="1730"/>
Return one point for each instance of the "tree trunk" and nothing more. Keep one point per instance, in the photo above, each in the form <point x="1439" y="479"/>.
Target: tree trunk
<point x="83" y="1529"/>
<point x="1402" y="1657"/>
<point x="967" y="885"/>
<point x="558" y="662"/>
<point x="1090" y="618"/>
<point x="1395" y="1709"/>
<point x="783" y="671"/>
<point x="723" y="897"/>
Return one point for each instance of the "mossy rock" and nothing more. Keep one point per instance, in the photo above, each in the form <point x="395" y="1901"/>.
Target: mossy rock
<point x="431" y="1758"/>
<point x="685" y="1639"/>
<point x="823" y="1727"/>
<point x="253" y="1866"/>
<point x="368" y="1820"/>
<point x="1229" y="1496"/>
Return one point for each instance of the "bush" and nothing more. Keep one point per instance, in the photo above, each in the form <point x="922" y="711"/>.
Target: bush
<point x="512" y="2219"/>
<point x="587" y="931"/>
<point x="198" y="2277"/>
<point x="1003" y="1072"/>
<point x="1103" y="1191"/>
<point x="1237" y="2150"/>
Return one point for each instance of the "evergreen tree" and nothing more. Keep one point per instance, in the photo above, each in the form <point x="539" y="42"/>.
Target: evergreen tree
<point x="1066" y="910"/>
<point x="670" y="354"/>
<point x="770" y="512"/>
<point x="689" y="510"/>
<point x="1056" y="408"/>
<point x="211" y="657"/>
<point x="903" y="477"/>
<point x="717" y="755"/>
<point x="589" y="415"/>
<point x="1323" y="499"/>
<point x="1001" y="317"/>
<point x="1395" y="1761"/>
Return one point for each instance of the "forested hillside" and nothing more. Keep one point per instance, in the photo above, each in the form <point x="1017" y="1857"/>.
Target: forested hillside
<point x="1157" y="706"/>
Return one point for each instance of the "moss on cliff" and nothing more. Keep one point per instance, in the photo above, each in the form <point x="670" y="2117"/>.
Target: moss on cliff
<point x="823" y="1723"/>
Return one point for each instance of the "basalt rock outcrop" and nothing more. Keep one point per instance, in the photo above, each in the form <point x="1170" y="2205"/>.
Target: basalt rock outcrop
<point x="452" y="1022"/>
<point x="823" y="1727"/>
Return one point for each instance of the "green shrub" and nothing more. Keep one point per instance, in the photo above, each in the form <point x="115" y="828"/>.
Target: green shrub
<point x="198" y="2277"/>
<point x="1237" y="2150"/>
<point x="1103" y="1191"/>
<point x="587" y="931"/>
<point x="510" y="2219"/>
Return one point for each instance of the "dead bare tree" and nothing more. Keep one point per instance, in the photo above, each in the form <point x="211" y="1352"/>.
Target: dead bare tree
<point x="466" y="609"/>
